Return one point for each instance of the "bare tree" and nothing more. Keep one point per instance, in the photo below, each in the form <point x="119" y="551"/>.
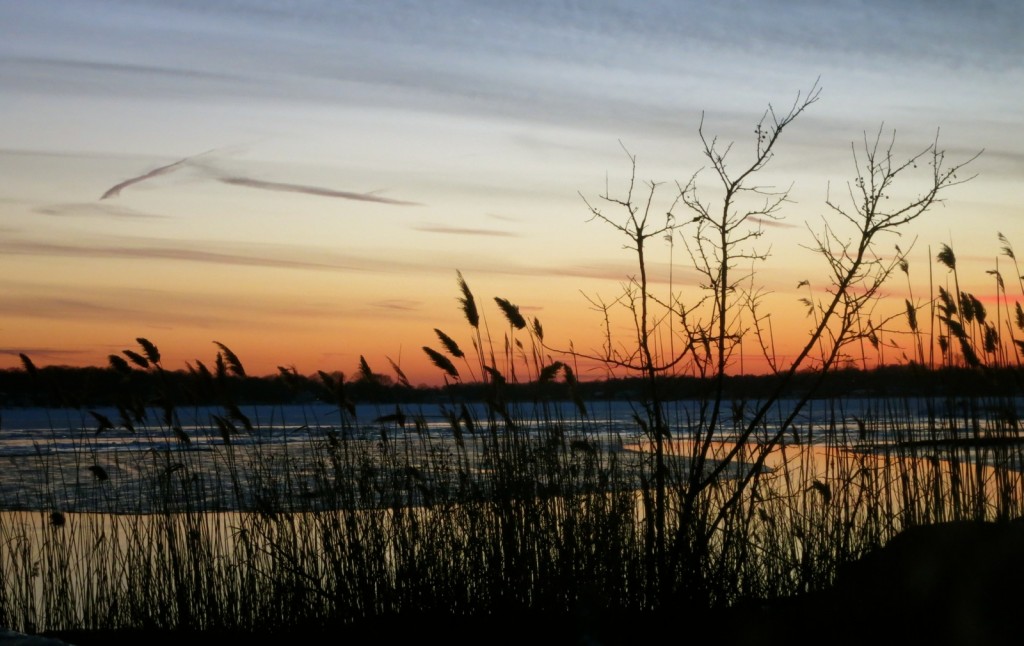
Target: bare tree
<point x="722" y="235"/>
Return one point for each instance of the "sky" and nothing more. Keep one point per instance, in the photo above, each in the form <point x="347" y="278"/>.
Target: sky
<point x="301" y="181"/>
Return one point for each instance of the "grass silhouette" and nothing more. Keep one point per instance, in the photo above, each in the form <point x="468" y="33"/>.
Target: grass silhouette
<point x="515" y="507"/>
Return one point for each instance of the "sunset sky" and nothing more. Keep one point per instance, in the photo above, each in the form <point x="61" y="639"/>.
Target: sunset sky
<point x="341" y="160"/>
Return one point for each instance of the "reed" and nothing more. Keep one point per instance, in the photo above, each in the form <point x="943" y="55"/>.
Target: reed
<point x="521" y="495"/>
<point x="515" y="505"/>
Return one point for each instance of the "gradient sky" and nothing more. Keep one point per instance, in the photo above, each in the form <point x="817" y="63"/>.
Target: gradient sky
<point x="341" y="160"/>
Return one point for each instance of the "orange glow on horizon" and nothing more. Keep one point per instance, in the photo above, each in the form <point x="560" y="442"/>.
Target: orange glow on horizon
<point x="397" y="331"/>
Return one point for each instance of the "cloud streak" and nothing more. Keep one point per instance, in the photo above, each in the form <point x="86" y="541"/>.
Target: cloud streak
<point x="158" y="308"/>
<point x="307" y="258"/>
<point x="773" y="224"/>
<point x="116" y="189"/>
<point x="98" y="210"/>
<point x="312" y="190"/>
<point x="400" y="305"/>
<point x="141" y="71"/>
<point x="164" y="252"/>
<point x="224" y="253"/>
<point x="54" y="306"/>
<point x="466" y="231"/>
<point x="34" y="352"/>
<point x="248" y="182"/>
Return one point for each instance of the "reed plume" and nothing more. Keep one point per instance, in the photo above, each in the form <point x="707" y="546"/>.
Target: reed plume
<point x="442" y="362"/>
<point x="512" y="314"/>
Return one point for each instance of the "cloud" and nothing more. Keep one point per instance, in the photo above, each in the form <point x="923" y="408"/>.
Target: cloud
<point x="43" y="351"/>
<point x="465" y="231"/>
<point x="312" y="190"/>
<point x="504" y="218"/>
<point x="117" y="72"/>
<point x="222" y="252"/>
<point x="156" y="308"/>
<point x="249" y="182"/>
<point x="188" y="252"/>
<point x="115" y="190"/>
<point x="399" y="304"/>
<point x="123" y="68"/>
<point x="657" y="272"/>
<point x="311" y="258"/>
<point x="774" y="224"/>
<point x="94" y="210"/>
<point x="59" y="307"/>
<point x="24" y="152"/>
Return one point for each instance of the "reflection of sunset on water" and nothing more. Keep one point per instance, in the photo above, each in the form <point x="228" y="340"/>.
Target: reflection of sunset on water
<point x="906" y="486"/>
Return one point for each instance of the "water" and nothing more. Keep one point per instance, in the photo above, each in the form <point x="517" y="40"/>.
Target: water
<point x="48" y="459"/>
<point x="67" y="459"/>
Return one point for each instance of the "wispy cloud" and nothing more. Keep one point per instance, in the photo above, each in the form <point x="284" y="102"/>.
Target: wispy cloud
<point x="86" y="209"/>
<point x="772" y="224"/>
<point x="222" y="252"/>
<point x="249" y="182"/>
<point x="504" y="218"/>
<point x="116" y="189"/>
<point x="124" y="68"/>
<point x="165" y="251"/>
<point x="430" y="228"/>
<point x="621" y="271"/>
<point x="33" y="352"/>
<point x="312" y="258"/>
<point x="53" y="305"/>
<point x="312" y="190"/>
<point x="157" y="308"/>
<point x="403" y="305"/>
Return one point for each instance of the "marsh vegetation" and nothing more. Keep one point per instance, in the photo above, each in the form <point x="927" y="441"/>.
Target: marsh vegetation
<point x="522" y="494"/>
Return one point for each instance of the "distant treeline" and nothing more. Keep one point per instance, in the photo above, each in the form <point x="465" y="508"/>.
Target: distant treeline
<point x="78" y="387"/>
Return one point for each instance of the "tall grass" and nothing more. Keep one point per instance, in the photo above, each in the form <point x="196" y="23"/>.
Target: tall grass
<point x="515" y="504"/>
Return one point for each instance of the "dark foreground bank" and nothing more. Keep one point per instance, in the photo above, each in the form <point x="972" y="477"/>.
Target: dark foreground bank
<point x="795" y="621"/>
<point x="950" y="583"/>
